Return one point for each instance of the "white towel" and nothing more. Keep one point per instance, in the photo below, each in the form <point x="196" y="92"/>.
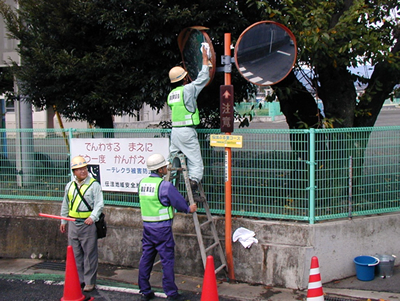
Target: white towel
<point x="207" y="48"/>
<point x="245" y="237"/>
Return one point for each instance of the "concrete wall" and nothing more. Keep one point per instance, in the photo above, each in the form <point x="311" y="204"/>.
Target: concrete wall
<point x="282" y="256"/>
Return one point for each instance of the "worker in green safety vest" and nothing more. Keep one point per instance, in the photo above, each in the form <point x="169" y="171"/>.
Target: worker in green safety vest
<point x="185" y="117"/>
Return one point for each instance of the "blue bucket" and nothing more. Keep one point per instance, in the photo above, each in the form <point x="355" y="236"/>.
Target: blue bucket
<point x="365" y="267"/>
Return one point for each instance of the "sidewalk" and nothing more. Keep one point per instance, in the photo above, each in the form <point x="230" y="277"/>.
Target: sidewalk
<point x="117" y="278"/>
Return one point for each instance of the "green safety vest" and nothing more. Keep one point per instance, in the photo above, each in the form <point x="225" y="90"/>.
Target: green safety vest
<point x="180" y="115"/>
<point x="150" y="206"/>
<point x="75" y="201"/>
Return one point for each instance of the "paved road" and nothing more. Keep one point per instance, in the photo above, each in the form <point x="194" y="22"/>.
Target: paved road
<point x="389" y="116"/>
<point x="40" y="290"/>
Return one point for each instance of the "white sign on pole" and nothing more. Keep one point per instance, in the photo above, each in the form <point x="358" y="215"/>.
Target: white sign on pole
<point x="119" y="163"/>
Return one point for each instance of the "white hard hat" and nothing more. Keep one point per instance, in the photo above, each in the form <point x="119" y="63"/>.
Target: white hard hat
<point x="78" y="162"/>
<point x="176" y="74"/>
<point x="156" y="161"/>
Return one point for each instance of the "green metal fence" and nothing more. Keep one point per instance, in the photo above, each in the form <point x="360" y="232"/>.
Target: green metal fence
<point x="304" y="175"/>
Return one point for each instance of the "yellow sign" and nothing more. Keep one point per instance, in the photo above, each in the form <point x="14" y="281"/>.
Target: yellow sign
<point x="226" y="141"/>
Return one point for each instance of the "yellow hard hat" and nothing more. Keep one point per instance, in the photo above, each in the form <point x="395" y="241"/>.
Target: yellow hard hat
<point x="78" y="162"/>
<point x="176" y="74"/>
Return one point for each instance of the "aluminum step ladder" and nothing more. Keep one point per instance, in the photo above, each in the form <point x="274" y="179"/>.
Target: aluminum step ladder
<point x="175" y="170"/>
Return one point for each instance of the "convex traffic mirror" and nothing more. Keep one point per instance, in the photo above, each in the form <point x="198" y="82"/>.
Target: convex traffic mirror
<point x="189" y="42"/>
<point x="265" y="53"/>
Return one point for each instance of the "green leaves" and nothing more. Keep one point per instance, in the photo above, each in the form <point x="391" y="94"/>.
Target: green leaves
<point x="108" y="57"/>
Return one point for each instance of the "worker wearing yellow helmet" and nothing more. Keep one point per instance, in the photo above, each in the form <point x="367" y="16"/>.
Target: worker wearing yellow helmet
<point x="185" y="117"/>
<point x="83" y="200"/>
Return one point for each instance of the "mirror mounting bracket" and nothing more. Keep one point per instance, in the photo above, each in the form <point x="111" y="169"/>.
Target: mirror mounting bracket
<point x="226" y="61"/>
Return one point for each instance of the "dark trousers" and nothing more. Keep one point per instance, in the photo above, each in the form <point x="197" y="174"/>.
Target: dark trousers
<point x="162" y="241"/>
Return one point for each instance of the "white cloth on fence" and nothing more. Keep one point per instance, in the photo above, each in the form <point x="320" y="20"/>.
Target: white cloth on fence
<point x="245" y="237"/>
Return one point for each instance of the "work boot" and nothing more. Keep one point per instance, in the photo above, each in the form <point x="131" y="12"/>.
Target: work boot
<point x="177" y="297"/>
<point x="89" y="287"/>
<point x="147" y="297"/>
<point x="193" y="185"/>
<point x="198" y="199"/>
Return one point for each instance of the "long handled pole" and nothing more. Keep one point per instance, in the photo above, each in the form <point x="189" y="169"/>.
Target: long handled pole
<point x="228" y="179"/>
<point x="61" y="126"/>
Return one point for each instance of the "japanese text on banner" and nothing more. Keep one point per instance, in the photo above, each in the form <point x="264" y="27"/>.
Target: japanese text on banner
<point x="119" y="163"/>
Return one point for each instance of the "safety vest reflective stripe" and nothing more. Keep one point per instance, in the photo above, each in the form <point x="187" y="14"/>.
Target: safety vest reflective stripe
<point x="180" y="123"/>
<point x="156" y="218"/>
<point x="75" y="200"/>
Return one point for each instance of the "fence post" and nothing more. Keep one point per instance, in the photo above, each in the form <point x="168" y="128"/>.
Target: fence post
<point x="312" y="177"/>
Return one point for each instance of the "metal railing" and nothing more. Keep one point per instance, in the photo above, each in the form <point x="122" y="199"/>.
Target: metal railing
<point x="304" y="175"/>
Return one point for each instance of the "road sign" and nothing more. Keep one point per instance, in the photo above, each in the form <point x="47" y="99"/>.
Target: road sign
<point x="226" y="108"/>
<point x="226" y="141"/>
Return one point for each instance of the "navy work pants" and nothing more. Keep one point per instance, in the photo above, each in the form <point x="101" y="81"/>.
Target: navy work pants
<point x="159" y="240"/>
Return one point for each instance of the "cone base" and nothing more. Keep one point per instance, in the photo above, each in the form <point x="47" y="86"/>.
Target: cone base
<point x="85" y="298"/>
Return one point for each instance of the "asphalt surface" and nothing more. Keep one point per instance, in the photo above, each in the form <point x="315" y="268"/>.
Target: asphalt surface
<point x="40" y="280"/>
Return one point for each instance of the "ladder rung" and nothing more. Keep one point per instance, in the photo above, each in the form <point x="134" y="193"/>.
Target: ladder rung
<point x="206" y="223"/>
<point x="175" y="168"/>
<point x="174" y="174"/>
<point x="220" y="268"/>
<point x="212" y="246"/>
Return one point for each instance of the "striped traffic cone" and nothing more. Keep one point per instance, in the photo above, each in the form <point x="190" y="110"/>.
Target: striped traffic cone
<point x="315" y="292"/>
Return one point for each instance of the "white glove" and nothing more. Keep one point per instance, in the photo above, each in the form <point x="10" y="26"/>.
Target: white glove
<point x="207" y="47"/>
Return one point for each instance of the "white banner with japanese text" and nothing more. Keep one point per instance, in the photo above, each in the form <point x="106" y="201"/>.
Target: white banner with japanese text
<point x="119" y="163"/>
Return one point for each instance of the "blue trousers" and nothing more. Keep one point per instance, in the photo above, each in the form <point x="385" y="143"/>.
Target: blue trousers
<point x="159" y="240"/>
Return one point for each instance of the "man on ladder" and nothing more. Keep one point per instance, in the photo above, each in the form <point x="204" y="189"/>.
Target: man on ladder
<point x="185" y="117"/>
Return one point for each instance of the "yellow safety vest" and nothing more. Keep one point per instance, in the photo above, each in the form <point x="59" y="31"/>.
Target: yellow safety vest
<point x="75" y="200"/>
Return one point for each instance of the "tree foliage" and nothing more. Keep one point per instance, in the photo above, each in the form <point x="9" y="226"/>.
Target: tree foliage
<point x="94" y="59"/>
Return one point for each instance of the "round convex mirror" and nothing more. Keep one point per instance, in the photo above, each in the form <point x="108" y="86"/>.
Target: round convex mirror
<point x="265" y="53"/>
<point x="190" y="42"/>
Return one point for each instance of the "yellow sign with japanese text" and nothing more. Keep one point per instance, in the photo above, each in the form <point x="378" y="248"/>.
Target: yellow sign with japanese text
<point x="226" y="141"/>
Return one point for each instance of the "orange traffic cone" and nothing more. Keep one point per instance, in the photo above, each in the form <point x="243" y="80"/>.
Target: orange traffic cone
<point x="315" y="292"/>
<point x="72" y="286"/>
<point x="209" y="292"/>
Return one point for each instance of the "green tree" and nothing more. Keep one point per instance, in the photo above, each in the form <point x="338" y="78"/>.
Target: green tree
<point x="95" y="59"/>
